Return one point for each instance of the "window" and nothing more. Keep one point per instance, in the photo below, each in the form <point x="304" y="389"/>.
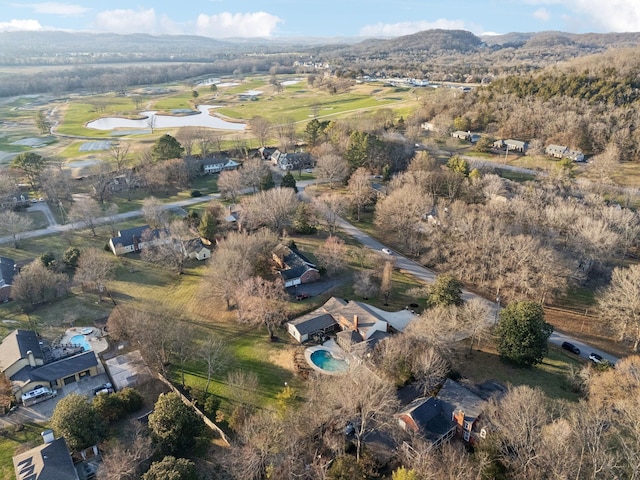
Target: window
<point x="483" y="433"/>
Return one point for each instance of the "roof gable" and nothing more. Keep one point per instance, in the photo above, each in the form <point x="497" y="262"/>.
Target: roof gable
<point x="49" y="461"/>
<point x="16" y="345"/>
<point x="125" y="237"/>
<point x="7" y="271"/>
<point x="65" y="367"/>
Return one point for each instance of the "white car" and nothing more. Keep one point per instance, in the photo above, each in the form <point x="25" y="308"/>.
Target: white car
<point x="387" y="251"/>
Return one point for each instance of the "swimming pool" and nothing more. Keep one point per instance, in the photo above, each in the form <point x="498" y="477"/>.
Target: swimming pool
<point x="82" y="341"/>
<point x="324" y="360"/>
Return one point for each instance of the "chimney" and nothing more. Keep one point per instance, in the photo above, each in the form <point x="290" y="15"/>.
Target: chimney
<point x="47" y="436"/>
<point x="355" y="322"/>
<point x="32" y="358"/>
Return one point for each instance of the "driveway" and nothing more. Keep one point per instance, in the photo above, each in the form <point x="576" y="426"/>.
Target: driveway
<point x="41" y="412"/>
<point x="44" y="208"/>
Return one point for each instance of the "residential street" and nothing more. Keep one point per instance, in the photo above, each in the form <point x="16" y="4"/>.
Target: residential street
<point x="404" y="263"/>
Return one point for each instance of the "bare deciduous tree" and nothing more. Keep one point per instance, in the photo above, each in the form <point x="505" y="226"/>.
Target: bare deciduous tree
<point x="36" y="284"/>
<point x="169" y="247"/>
<point x="332" y="168"/>
<point x="215" y="355"/>
<point x="253" y="170"/>
<point x="330" y="208"/>
<point x="260" y="127"/>
<point x="619" y="303"/>
<point x="230" y="184"/>
<point x="262" y="301"/>
<point x="123" y="460"/>
<point x="154" y="212"/>
<point x="86" y="211"/>
<point x="332" y="254"/>
<point x="14" y="225"/>
<point x="272" y="208"/>
<point x="362" y="194"/>
<point x="95" y="268"/>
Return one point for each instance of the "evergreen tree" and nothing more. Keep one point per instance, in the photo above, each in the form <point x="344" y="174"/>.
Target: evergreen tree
<point x="174" y="425"/>
<point x="208" y="226"/>
<point x="445" y="291"/>
<point x="77" y="421"/>
<point x="266" y="182"/>
<point x="166" y="147"/>
<point x="522" y="333"/>
<point x="288" y="181"/>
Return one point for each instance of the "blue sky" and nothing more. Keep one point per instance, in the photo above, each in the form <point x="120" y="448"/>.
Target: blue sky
<point x="324" y="18"/>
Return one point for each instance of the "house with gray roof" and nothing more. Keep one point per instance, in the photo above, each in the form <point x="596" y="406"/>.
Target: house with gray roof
<point x="295" y="267"/>
<point x="454" y="411"/>
<point x="314" y="323"/>
<point x="7" y="272"/>
<point x="28" y="360"/>
<point x="49" y="461"/>
<point x="133" y="239"/>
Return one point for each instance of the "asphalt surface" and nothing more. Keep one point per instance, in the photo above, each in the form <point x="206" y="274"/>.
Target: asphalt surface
<point x="403" y="263"/>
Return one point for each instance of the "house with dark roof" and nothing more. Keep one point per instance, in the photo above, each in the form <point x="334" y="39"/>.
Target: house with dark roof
<point x="295" y="267"/>
<point x="194" y="248"/>
<point x="131" y="240"/>
<point x="314" y="323"/>
<point x="49" y="461"/>
<point x="454" y="411"/>
<point x="562" y="151"/>
<point x="7" y="272"/>
<point x="27" y="360"/>
<point x="511" y="145"/>
<point x="217" y="165"/>
<point x="292" y="161"/>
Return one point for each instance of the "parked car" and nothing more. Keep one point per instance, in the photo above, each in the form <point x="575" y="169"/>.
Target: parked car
<point x="571" y="347"/>
<point x="302" y="296"/>
<point x="387" y="251"/>
<point x="595" y="358"/>
<point x="103" y="389"/>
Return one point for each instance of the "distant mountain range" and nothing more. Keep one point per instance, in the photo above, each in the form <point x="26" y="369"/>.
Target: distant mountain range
<point x="429" y="41"/>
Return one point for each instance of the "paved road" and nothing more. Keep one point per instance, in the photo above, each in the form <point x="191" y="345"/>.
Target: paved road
<point x="57" y="228"/>
<point x="404" y="263"/>
<point x="557" y="338"/>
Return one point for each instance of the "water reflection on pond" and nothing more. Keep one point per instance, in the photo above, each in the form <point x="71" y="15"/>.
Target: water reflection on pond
<point x="202" y="119"/>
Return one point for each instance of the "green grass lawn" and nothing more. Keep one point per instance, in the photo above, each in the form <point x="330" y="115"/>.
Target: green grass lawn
<point x="550" y="375"/>
<point x="13" y="442"/>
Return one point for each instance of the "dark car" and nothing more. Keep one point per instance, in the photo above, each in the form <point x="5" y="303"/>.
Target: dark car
<point x="571" y="347"/>
<point x="302" y="296"/>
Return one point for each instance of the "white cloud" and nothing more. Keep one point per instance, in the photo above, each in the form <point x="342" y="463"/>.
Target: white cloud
<point x="224" y="25"/>
<point x="615" y="16"/>
<point x="542" y="14"/>
<point x="15" y="25"/>
<point x="56" y="8"/>
<point x="407" y="28"/>
<point x="127" y="21"/>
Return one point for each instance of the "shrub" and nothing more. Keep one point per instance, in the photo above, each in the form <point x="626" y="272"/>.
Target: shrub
<point x="196" y="193"/>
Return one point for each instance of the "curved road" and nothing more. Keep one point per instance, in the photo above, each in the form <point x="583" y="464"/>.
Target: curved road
<point x="409" y="266"/>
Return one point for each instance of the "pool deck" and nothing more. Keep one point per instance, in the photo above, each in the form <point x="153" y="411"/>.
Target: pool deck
<point x="331" y="347"/>
<point x="98" y="344"/>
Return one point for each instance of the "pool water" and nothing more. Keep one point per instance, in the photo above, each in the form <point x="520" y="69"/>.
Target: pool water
<point x="82" y="341"/>
<point x="324" y="360"/>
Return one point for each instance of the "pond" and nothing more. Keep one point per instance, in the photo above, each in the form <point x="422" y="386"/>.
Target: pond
<point x="201" y="119"/>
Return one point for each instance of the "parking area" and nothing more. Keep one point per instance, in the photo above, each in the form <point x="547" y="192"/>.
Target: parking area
<point x="41" y="412"/>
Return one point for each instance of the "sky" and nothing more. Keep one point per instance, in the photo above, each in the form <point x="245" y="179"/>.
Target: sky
<point x="320" y="18"/>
